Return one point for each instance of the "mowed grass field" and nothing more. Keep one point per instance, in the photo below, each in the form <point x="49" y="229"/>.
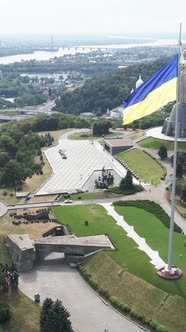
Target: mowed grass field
<point x="157" y="237"/>
<point x="143" y="165"/>
<point x="24" y="313"/>
<point x="155" y="143"/>
<point x="127" y="272"/>
<point x="127" y="254"/>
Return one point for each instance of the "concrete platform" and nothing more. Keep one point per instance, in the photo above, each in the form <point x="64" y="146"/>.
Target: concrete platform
<point x="72" y="173"/>
<point x="156" y="133"/>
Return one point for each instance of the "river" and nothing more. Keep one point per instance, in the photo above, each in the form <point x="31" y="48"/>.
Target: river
<point x="46" y="55"/>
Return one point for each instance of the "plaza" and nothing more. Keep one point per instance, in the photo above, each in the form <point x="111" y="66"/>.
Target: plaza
<point x="83" y="158"/>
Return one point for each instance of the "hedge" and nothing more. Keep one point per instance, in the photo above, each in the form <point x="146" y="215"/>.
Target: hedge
<point x="116" y="303"/>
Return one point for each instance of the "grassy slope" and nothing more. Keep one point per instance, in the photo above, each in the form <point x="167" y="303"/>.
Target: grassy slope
<point x="138" y="294"/>
<point x="127" y="255"/>
<point x="155" y="143"/>
<point x="157" y="237"/>
<point x="143" y="165"/>
<point x="143" y="290"/>
<point x="24" y="313"/>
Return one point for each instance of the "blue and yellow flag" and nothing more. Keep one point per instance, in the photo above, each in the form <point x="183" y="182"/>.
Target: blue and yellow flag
<point x="151" y="95"/>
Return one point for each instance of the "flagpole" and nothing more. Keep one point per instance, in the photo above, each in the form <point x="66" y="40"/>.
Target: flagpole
<point x="171" y="233"/>
<point x="170" y="271"/>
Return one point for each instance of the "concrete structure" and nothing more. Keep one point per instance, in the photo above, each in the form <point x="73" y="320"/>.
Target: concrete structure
<point x="139" y="82"/>
<point x="71" y="174"/>
<point x="74" y="248"/>
<point x="169" y="123"/>
<point x="22" y="251"/>
<point x="117" y="113"/>
<point x="88" y="115"/>
<point x="116" y="145"/>
<point x="25" y="251"/>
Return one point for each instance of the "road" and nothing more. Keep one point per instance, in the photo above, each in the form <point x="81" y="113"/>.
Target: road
<point x="53" y="278"/>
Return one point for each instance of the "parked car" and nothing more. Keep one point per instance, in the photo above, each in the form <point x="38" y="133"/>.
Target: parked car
<point x="68" y="201"/>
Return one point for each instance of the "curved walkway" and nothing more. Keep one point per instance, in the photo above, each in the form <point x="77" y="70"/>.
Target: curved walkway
<point x="3" y="208"/>
<point x="142" y="245"/>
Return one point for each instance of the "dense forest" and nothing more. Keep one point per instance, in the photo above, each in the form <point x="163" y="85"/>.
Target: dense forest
<point x="24" y="94"/>
<point x="106" y="92"/>
<point x="37" y="67"/>
<point x="20" y="153"/>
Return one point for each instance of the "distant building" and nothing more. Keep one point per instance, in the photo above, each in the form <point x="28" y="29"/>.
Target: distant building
<point x="117" y="145"/>
<point x="117" y="113"/>
<point x="88" y="115"/>
<point x="139" y="82"/>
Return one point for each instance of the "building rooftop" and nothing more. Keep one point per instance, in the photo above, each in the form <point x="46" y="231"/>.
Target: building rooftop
<point x="23" y="241"/>
<point x="118" y="141"/>
<point x="97" y="240"/>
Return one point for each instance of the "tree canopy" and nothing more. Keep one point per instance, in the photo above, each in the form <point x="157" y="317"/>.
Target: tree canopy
<point x="54" y="317"/>
<point x="107" y="91"/>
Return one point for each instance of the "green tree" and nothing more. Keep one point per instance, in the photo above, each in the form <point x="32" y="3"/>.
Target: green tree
<point x="4" y="312"/>
<point x="179" y="171"/>
<point x="13" y="173"/>
<point x="126" y="182"/>
<point x="54" y="317"/>
<point x="13" y="277"/>
<point x="4" y="158"/>
<point x="162" y="152"/>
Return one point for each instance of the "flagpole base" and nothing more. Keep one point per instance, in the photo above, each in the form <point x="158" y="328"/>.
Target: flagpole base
<point x="172" y="274"/>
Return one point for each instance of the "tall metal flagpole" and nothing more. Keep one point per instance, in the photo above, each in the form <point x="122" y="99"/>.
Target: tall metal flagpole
<point x="170" y="272"/>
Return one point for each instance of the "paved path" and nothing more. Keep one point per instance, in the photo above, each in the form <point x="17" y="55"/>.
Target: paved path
<point x="88" y="312"/>
<point x="142" y="245"/>
<point x="3" y="208"/>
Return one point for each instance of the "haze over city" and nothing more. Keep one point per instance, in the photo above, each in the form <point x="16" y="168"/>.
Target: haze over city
<point x="91" y="17"/>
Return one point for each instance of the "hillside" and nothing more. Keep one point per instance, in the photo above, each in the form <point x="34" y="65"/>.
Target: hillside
<point x="107" y="92"/>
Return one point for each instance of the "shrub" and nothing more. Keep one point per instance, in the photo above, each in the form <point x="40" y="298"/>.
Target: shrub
<point x="124" y="307"/>
<point x="137" y="315"/>
<point x="4" y="313"/>
<point x="161" y="328"/>
<point x="153" y="324"/>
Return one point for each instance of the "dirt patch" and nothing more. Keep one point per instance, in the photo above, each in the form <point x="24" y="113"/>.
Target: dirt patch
<point x="56" y="134"/>
<point x="41" y="199"/>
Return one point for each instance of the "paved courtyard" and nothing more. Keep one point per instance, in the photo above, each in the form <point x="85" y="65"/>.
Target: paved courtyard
<point x="83" y="158"/>
<point x="89" y="313"/>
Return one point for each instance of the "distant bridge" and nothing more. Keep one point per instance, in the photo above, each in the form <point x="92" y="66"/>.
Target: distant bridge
<point x="6" y="118"/>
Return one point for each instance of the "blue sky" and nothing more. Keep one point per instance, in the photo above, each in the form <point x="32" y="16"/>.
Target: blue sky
<point x="94" y="17"/>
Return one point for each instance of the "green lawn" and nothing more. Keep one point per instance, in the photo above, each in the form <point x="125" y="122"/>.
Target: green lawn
<point x="155" y="143"/>
<point x="157" y="237"/>
<point x="143" y="165"/>
<point x="24" y="313"/>
<point x="4" y="255"/>
<point x="81" y="135"/>
<point x="87" y="135"/>
<point x="9" y="112"/>
<point x="75" y="197"/>
<point x="127" y="254"/>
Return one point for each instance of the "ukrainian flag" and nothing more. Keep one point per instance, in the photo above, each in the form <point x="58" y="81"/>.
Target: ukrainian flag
<point x="155" y="92"/>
